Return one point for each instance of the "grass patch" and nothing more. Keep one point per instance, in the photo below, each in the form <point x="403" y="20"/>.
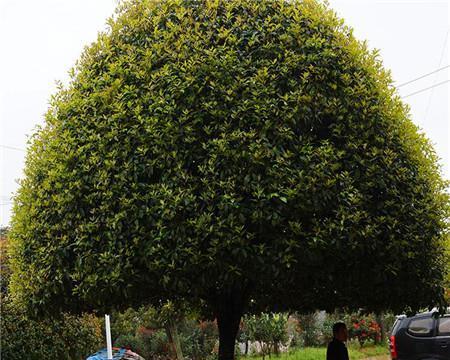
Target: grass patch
<point x="362" y="353"/>
<point x="355" y="353"/>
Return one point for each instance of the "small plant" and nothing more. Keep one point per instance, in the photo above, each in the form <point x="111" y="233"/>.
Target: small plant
<point x="309" y="329"/>
<point x="364" y="329"/>
<point x="268" y="329"/>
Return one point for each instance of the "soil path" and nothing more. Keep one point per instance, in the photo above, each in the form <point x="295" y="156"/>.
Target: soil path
<point x="381" y="357"/>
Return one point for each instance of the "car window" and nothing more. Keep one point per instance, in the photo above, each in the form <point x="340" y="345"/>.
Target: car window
<point x="421" y="327"/>
<point x="444" y="325"/>
<point x="396" y="325"/>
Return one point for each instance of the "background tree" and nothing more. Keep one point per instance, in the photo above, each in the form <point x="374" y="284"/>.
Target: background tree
<point x="447" y="268"/>
<point x="5" y="271"/>
<point x="235" y="155"/>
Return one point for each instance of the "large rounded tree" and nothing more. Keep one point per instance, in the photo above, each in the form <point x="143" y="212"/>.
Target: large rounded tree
<point x="236" y="155"/>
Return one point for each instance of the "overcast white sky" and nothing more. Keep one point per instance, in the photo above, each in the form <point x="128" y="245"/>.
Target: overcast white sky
<point x="41" y="40"/>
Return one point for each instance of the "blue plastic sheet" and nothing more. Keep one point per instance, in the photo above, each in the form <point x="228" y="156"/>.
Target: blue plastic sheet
<point x="103" y="354"/>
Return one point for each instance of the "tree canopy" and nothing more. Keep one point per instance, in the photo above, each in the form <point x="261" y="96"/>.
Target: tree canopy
<point x="236" y="155"/>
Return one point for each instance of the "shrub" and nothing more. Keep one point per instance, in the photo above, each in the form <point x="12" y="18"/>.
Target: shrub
<point x="198" y="338"/>
<point x="294" y="332"/>
<point x="389" y="320"/>
<point x="326" y="328"/>
<point x="268" y="329"/>
<point x="136" y="343"/>
<point x="364" y="329"/>
<point x="67" y="338"/>
<point x="309" y="329"/>
<point x="130" y="321"/>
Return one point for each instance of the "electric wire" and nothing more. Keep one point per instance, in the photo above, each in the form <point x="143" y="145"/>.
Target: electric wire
<point x="423" y="76"/>
<point x="425" y="89"/>
<point x="11" y="147"/>
<point x="435" y="77"/>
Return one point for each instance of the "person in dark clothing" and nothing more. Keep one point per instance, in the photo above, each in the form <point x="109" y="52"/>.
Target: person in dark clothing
<point x="336" y="348"/>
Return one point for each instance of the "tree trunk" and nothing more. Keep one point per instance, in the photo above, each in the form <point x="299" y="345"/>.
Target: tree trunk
<point x="229" y="312"/>
<point x="276" y="348"/>
<point x="172" y="334"/>
<point x="263" y="349"/>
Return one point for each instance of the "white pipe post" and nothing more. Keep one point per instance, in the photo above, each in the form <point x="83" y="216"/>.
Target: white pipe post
<point x="108" y="338"/>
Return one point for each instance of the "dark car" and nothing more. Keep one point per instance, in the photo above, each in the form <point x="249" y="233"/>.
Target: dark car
<point x="421" y="337"/>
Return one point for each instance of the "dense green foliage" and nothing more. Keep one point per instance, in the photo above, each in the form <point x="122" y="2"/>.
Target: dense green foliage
<point x="219" y="152"/>
<point x="66" y="338"/>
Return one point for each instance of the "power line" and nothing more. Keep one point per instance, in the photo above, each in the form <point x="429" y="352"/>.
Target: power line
<point x="435" y="77"/>
<point x="11" y="147"/>
<point x="423" y="76"/>
<point x="428" y="88"/>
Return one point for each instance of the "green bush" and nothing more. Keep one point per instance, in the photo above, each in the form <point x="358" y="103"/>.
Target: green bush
<point x="198" y="339"/>
<point x="135" y="343"/>
<point x="68" y="338"/>
<point x="150" y="345"/>
<point x="159" y="344"/>
<point x="141" y="331"/>
<point x="130" y="321"/>
<point x="389" y="320"/>
<point x="268" y="329"/>
<point x="309" y="329"/>
<point x="364" y="328"/>
<point x="294" y="333"/>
